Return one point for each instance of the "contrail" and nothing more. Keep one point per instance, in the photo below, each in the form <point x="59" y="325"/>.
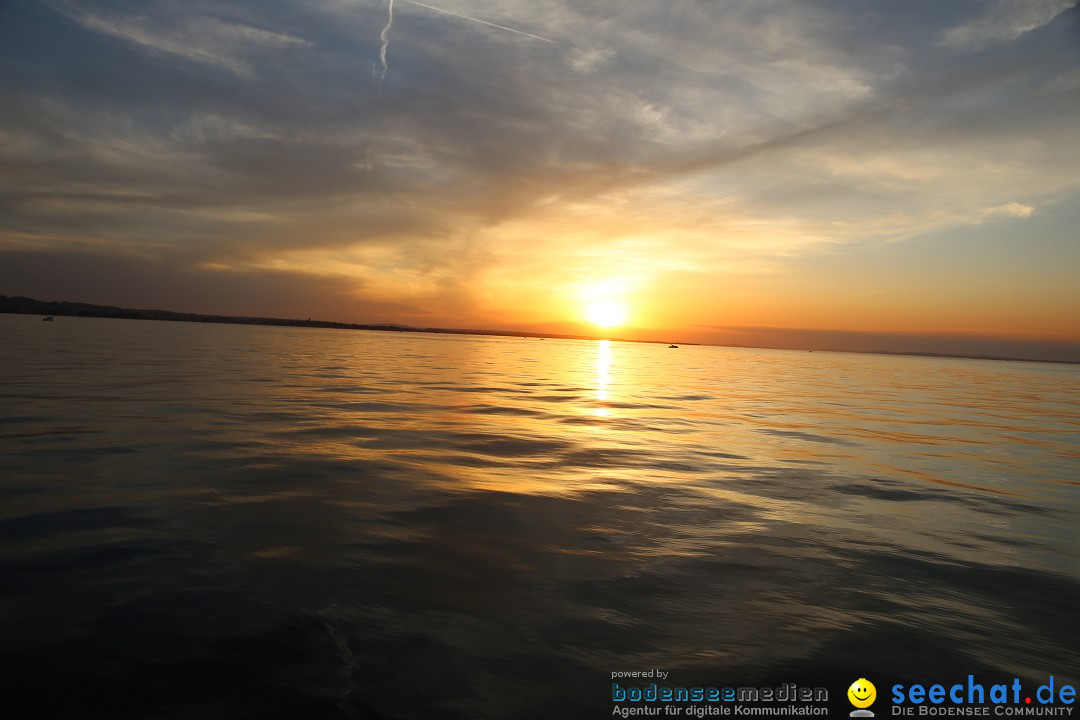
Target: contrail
<point x="466" y="17"/>
<point x="385" y="37"/>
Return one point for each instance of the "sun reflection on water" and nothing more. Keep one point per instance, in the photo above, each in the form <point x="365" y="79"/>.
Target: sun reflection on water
<point x="603" y="376"/>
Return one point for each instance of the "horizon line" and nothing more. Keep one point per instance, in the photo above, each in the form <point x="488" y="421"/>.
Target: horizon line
<point x="98" y="311"/>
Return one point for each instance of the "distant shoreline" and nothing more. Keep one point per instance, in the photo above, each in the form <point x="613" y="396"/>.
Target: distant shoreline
<point x="29" y="306"/>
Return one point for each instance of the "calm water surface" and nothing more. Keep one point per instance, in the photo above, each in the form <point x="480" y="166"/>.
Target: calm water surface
<point x="205" y="521"/>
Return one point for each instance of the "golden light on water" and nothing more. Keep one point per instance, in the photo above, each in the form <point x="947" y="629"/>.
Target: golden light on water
<point x="603" y="376"/>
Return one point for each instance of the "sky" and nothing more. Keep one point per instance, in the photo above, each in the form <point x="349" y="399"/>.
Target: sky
<point x="854" y="174"/>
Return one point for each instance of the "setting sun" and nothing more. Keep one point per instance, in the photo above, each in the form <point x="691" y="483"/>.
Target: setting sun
<point x="606" y="313"/>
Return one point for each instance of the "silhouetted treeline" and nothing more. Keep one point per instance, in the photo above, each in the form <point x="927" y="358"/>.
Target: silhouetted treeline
<point x="29" y="306"/>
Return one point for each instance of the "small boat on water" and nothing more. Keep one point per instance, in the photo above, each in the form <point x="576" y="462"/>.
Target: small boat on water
<point x="50" y="318"/>
<point x="673" y="345"/>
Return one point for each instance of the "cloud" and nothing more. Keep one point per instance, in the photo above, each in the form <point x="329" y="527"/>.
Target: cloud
<point x="1012" y="209"/>
<point x="1004" y="20"/>
<point x="198" y="38"/>
<point x="586" y="60"/>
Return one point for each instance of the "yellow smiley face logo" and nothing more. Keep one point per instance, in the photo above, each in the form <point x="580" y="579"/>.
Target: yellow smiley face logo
<point x="862" y="693"/>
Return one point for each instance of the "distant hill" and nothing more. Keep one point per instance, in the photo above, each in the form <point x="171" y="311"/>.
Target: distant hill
<point x="29" y="306"/>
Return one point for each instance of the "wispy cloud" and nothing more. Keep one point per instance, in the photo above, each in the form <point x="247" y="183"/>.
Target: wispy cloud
<point x="478" y="20"/>
<point x="198" y="38"/>
<point x="1013" y="209"/>
<point x="384" y="38"/>
<point x="1004" y="20"/>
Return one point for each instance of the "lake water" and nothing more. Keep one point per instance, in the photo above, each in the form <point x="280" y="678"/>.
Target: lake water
<point x="214" y="521"/>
